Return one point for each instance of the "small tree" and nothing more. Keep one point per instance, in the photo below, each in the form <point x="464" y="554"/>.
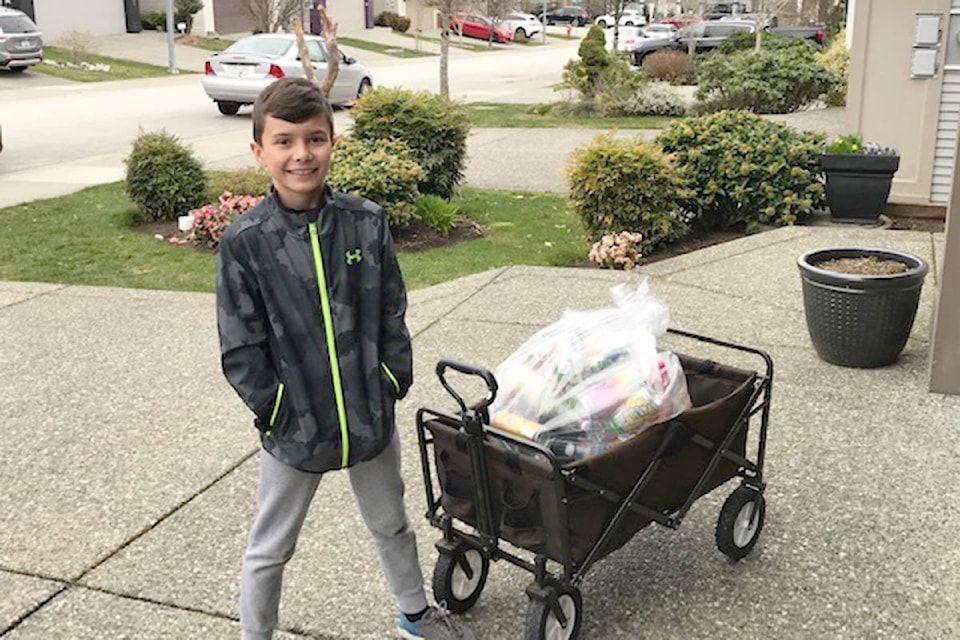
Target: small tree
<point x="270" y="15"/>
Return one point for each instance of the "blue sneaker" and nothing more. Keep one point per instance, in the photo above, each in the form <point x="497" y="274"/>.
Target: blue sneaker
<point x="436" y="624"/>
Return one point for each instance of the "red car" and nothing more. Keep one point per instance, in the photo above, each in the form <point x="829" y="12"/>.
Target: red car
<point x="476" y="26"/>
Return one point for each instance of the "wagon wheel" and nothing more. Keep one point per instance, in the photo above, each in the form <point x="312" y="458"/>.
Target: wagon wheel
<point x="740" y="522"/>
<point x="459" y="577"/>
<point x="543" y="623"/>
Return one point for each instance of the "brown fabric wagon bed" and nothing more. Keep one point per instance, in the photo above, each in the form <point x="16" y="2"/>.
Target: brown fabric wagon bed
<point x="539" y="506"/>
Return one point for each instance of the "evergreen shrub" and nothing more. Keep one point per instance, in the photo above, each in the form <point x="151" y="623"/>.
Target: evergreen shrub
<point x="627" y="185"/>
<point x="434" y="128"/>
<point x="163" y="179"/>
<point x="772" y="80"/>
<point x="744" y="169"/>
<point x="382" y="170"/>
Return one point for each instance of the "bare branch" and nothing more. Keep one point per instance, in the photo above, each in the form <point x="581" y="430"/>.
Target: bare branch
<point x="333" y="51"/>
<point x="305" y="60"/>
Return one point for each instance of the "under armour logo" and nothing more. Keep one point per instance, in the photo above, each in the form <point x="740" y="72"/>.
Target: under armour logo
<point x="354" y="256"/>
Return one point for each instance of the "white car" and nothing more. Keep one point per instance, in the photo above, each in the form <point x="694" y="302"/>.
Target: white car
<point x="628" y="18"/>
<point x="236" y="76"/>
<point x="523" y="26"/>
<point x="627" y="38"/>
<point x="658" y="30"/>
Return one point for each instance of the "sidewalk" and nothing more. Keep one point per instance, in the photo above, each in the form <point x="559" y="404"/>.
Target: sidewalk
<point x="130" y="468"/>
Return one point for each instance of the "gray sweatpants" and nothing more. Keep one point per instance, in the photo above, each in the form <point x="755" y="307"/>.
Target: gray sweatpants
<point x="283" y="498"/>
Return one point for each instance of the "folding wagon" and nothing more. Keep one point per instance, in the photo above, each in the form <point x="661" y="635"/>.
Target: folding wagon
<point x="485" y="486"/>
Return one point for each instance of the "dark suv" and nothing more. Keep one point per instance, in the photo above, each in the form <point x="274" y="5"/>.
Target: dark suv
<point x="565" y="15"/>
<point x="21" y="44"/>
<point x="707" y="36"/>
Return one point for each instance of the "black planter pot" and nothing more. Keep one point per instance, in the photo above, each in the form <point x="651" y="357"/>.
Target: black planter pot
<point x="860" y="320"/>
<point x="857" y="186"/>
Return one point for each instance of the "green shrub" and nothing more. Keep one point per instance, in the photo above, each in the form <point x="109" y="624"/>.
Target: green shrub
<point x="627" y="185"/>
<point x="153" y="20"/>
<point x="836" y="60"/>
<point x="435" y="129"/>
<point x="745" y="169"/>
<point x="772" y="80"/>
<point x="401" y="24"/>
<point x="383" y="171"/>
<point x="251" y="182"/>
<point x="164" y="179"/>
<point x="747" y="41"/>
<point x="385" y="19"/>
<point x="768" y="81"/>
<point x="654" y="99"/>
<point x="670" y="66"/>
<point x="583" y="74"/>
<point x="436" y="213"/>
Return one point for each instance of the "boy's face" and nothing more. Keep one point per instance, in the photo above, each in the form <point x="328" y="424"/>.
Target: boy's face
<point x="297" y="156"/>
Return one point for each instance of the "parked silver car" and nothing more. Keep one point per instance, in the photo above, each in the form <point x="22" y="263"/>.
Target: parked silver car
<point x="21" y="44"/>
<point x="236" y="76"/>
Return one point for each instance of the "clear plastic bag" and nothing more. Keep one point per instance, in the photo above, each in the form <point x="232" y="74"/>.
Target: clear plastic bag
<point x="593" y="378"/>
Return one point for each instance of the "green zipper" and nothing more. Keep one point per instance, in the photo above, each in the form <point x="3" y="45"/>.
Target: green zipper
<point x="276" y="405"/>
<point x="331" y="345"/>
<point x="393" y="378"/>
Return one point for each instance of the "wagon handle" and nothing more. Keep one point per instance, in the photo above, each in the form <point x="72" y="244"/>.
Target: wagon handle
<point x="469" y="370"/>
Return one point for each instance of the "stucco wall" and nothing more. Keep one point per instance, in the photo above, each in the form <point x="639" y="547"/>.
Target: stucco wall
<point x="883" y="102"/>
<point x="99" y="17"/>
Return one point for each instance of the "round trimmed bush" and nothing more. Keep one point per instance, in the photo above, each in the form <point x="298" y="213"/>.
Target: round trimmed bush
<point x="164" y="179"/>
<point x="383" y="171"/>
<point x="434" y="128"/>
<point x="627" y="185"/>
<point x="745" y="169"/>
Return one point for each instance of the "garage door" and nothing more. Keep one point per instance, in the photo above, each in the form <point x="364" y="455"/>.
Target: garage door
<point x="230" y="17"/>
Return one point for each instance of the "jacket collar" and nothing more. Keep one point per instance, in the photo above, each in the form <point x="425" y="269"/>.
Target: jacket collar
<point x="296" y="220"/>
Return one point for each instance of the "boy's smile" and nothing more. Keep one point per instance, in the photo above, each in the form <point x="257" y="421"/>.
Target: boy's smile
<point x="297" y="156"/>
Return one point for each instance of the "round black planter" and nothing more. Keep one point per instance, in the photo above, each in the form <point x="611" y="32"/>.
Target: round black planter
<point x="860" y="320"/>
<point x="857" y="186"/>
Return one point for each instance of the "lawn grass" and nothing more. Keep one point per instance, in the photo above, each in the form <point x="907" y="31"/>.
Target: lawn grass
<point x="498" y="114"/>
<point x="204" y="42"/>
<point x="88" y="238"/>
<point x="119" y="69"/>
<point x="385" y="49"/>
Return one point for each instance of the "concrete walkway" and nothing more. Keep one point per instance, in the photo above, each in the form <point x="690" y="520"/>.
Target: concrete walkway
<point x="129" y="466"/>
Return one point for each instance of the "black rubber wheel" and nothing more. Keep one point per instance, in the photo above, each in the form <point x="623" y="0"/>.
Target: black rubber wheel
<point x="228" y="108"/>
<point x="459" y="578"/>
<point x="520" y="35"/>
<point x="543" y="623"/>
<point x="365" y="85"/>
<point x="740" y="522"/>
<point x="17" y="69"/>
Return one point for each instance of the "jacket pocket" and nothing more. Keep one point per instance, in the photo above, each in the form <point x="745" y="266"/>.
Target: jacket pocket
<point x="392" y="385"/>
<point x="269" y="422"/>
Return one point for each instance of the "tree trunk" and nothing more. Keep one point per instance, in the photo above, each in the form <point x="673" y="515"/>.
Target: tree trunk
<point x="444" y="55"/>
<point x="333" y="51"/>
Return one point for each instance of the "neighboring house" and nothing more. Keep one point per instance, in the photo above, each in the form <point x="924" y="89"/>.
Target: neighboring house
<point x="54" y="17"/>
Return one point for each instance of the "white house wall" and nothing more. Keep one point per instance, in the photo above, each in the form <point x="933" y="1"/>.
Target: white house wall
<point x="99" y="17"/>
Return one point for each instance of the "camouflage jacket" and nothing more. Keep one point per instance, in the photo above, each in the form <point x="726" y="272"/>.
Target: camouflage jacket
<point x="312" y="331"/>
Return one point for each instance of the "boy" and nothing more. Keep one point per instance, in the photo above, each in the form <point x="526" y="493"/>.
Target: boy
<point x="310" y="310"/>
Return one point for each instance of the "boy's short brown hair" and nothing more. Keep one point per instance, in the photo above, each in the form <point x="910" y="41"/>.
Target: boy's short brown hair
<point x="290" y="99"/>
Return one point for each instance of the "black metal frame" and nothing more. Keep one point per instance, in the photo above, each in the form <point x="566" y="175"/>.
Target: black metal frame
<point x="472" y="421"/>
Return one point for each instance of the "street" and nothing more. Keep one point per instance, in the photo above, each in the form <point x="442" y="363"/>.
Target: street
<point x="48" y="122"/>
